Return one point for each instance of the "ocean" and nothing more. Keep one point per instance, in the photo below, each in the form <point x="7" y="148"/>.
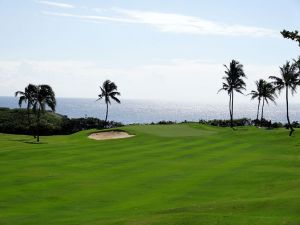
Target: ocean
<point x="147" y="111"/>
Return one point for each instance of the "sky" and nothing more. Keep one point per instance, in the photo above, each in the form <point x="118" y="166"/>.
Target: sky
<point x="167" y="50"/>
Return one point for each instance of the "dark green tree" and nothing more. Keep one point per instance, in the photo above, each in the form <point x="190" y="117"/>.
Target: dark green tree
<point x="108" y="92"/>
<point x="233" y="81"/>
<point x="289" y="80"/>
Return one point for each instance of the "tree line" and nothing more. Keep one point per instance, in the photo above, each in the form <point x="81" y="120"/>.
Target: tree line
<point x="40" y="97"/>
<point x="288" y="81"/>
<point x="266" y="91"/>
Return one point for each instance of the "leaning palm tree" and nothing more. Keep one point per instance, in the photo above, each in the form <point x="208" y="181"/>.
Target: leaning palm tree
<point x="268" y="94"/>
<point x="43" y="97"/>
<point x="26" y="96"/>
<point x="108" y="92"/>
<point x="233" y="81"/>
<point x="258" y="94"/>
<point x="289" y="80"/>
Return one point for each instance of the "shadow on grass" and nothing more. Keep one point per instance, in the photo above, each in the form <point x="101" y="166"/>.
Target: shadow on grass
<point x="29" y="141"/>
<point x="35" y="143"/>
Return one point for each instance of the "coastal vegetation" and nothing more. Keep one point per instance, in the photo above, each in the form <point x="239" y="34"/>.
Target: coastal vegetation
<point x="265" y="91"/>
<point x="12" y="121"/>
<point x="38" y="97"/>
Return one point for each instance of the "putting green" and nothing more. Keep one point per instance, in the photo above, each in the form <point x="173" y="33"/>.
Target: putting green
<point x="165" y="174"/>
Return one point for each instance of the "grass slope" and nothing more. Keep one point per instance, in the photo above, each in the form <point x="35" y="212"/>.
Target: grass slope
<point x="168" y="174"/>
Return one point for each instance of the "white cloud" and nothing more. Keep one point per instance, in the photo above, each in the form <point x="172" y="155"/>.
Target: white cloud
<point x="172" y="23"/>
<point x="91" y="18"/>
<point x="177" y="23"/>
<point x="56" y="4"/>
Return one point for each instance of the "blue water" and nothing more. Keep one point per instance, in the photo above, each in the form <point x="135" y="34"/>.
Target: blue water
<point x="146" y="111"/>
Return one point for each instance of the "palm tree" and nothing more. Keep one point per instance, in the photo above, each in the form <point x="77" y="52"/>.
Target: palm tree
<point x="268" y="94"/>
<point x="108" y="92"/>
<point x="43" y="96"/>
<point x="233" y="82"/>
<point x="289" y="80"/>
<point x="26" y="96"/>
<point x="293" y="35"/>
<point x="258" y="94"/>
<point x="297" y="62"/>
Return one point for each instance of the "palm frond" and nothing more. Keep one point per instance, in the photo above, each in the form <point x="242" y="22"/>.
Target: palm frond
<point x="19" y="93"/>
<point x="109" y="91"/>
<point x="21" y="100"/>
<point x="116" y="99"/>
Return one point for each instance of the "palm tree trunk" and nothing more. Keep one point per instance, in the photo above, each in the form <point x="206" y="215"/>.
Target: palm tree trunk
<point x="258" y="109"/>
<point x="38" y="126"/>
<point x="230" y="113"/>
<point x="28" y="116"/>
<point x="106" y="114"/>
<point x="287" y="111"/>
<point x="262" y="112"/>
<point x="28" y="119"/>
<point x="231" y="119"/>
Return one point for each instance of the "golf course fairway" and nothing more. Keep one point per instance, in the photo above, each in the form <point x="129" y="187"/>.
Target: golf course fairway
<point x="185" y="174"/>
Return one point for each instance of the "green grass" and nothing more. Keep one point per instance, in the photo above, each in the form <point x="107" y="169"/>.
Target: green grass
<point x="186" y="174"/>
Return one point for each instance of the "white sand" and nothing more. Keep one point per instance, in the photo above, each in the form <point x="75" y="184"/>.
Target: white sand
<point x="109" y="135"/>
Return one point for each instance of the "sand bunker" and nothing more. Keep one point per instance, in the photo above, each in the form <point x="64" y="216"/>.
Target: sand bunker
<point x="110" y="135"/>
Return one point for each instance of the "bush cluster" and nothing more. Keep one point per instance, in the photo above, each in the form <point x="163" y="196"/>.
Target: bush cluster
<point x="248" y="122"/>
<point x="227" y="123"/>
<point x="16" y="121"/>
<point x="236" y="123"/>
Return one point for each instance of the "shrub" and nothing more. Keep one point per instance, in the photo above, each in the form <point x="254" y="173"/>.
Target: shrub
<point x="15" y="121"/>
